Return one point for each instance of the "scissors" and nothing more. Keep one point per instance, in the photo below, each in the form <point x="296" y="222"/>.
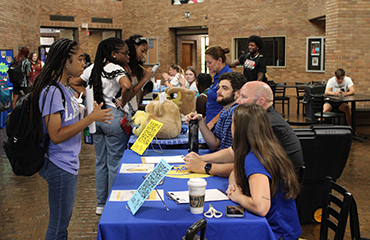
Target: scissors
<point x="212" y="212"/>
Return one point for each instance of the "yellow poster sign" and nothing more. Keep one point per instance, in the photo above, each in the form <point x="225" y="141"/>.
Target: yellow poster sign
<point x="146" y="136"/>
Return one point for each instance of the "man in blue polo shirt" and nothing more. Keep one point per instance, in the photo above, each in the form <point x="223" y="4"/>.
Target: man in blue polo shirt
<point x="228" y="92"/>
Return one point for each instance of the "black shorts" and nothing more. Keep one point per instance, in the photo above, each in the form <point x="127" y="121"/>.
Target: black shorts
<point x="334" y="105"/>
<point x="17" y="90"/>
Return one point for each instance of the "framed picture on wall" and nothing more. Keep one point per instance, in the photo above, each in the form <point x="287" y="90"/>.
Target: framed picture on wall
<point x="315" y="61"/>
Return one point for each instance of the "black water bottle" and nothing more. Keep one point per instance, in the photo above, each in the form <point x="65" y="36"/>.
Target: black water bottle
<point x="193" y="136"/>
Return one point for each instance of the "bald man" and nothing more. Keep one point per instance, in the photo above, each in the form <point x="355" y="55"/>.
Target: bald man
<point x="220" y="163"/>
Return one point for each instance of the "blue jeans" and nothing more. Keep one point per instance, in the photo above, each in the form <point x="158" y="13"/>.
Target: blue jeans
<point x="62" y="191"/>
<point x="110" y="141"/>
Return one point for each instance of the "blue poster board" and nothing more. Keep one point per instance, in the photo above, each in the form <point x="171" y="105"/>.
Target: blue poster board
<point x="6" y="56"/>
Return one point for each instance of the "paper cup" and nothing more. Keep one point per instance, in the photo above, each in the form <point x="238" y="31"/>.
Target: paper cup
<point x="197" y="191"/>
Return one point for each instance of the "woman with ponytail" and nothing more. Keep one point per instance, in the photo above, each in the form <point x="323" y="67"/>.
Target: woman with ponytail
<point x="61" y="122"/>
<point x="216" y="63"/>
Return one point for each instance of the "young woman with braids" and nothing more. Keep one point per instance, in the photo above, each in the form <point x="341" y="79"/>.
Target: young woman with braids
<point x="109" y="78"/>
<point x="60" y="120"/>
<point x="138" y="48"/>
<point x="263" y="180"/>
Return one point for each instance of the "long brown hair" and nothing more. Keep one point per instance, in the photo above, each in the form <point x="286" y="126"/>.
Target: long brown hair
<point x="253" y="132"/>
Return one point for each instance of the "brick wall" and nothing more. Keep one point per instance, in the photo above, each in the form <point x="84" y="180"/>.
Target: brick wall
<point x="347" y="35"/>
<point x="18" y="25"/>
<point x="346" y="28"/>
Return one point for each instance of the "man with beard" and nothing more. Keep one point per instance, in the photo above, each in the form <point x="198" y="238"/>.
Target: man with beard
<point x="221" y="163"/>
<point x="254" y="63"/>
<point x="228" y="92"/>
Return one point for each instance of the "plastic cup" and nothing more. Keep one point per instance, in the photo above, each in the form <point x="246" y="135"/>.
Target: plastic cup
<point x="197" y="192"/>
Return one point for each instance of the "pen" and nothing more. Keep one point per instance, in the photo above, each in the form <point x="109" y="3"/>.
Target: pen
<point x="142" y="67"/>
<point x="161" y="199"/>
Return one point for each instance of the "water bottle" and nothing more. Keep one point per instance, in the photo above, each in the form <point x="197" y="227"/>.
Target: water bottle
<point x="193" y="136"/>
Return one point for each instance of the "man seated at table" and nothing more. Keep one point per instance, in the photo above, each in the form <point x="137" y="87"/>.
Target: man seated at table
<point x="220" y="163"/>
<point x="227" y="93"/>
<point x="339" y="85"/>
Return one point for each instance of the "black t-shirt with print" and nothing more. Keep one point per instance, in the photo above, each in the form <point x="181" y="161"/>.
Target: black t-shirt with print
<point x="252" y="66"/>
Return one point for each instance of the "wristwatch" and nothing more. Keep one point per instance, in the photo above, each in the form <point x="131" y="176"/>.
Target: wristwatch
<point x="208" y="167"/>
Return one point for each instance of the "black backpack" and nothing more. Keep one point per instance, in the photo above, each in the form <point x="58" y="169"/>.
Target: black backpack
<point x="22" y="147"/>
<point x="15" y="72"/>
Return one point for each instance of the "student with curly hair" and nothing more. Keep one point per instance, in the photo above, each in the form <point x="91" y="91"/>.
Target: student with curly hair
<point x="254" y="63"/>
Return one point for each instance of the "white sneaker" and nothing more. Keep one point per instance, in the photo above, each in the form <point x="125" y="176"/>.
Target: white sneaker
<point x="99" y="210"/>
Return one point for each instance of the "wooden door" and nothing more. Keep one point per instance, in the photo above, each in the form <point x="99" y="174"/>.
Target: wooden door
<point x="187" y="55"/>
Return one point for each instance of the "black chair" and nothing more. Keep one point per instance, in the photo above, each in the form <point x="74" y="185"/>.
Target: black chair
<point x="354" y="223"/>
<point x="272" y="85"/>
<point x="191" y="233"/>
<point x="335" y="207"/>
<point x="317" y="108"/>
<point x="317" y="83"/>
<point x="300" y="176"/>
<point x="279" y="96"/>
<point x="300" y="95"/>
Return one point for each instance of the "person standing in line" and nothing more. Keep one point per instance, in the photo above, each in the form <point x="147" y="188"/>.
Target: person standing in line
<point x="109" y="79"/>
<point x="216" y="63"/>
<point x="138" y="49"/>
<point x="254" y="63"/>
<point x="26" y="70"/>
<point x="263" y="180"/>
<point x="36" y="65"/>
<point x="59" y="110"/>
<point x="339" y="85"/>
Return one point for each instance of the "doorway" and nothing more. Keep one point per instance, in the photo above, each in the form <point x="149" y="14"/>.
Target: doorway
<point x="189" y="46"/>
<point x="188" y="53"/>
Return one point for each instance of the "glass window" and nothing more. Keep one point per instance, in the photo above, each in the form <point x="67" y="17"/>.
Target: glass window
<point x="273" y="50"/>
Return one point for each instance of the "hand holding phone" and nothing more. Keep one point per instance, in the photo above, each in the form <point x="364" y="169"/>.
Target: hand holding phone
<point x="234" y="211"/>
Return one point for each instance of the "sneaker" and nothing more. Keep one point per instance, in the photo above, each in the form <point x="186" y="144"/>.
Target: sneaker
<point x="99" y="210"/>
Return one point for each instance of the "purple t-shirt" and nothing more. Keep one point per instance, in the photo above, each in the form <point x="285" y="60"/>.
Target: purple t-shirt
<point x="65" y="154"/>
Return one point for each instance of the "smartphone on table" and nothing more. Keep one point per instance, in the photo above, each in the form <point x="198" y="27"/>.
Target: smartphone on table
<point x="234" y="211"/>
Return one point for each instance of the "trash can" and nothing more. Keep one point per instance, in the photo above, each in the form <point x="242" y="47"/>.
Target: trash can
<point x="325" y="152"/>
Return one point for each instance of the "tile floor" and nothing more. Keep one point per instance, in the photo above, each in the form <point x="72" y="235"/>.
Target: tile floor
<point x="24" y="204"/>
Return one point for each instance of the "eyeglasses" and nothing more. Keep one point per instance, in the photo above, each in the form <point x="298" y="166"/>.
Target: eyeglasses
<point x="124" y="53"/>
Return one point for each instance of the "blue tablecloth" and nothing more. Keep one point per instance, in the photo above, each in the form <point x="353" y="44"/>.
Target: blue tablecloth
<point x="152" y="221"/>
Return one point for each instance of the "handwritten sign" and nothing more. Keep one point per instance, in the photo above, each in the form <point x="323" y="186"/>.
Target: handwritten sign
<point x="150" y="182"/>
<point x="146" y="136"/>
